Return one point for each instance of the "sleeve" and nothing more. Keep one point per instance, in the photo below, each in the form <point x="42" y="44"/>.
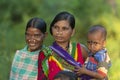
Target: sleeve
<point x="102" y="64"/>
<point x="13" y="66"/>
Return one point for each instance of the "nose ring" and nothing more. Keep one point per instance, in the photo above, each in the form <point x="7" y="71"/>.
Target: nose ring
<point x="34" y="40"/>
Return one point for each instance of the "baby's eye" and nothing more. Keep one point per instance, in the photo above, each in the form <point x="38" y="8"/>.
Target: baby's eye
<point x="88" y="42"/>
<point x="95" y="43"/>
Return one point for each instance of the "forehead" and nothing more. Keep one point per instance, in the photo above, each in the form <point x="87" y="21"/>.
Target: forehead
<point x="95" y="36"/>
<point x="62" y="23"/>
<point x="33" y="30"/>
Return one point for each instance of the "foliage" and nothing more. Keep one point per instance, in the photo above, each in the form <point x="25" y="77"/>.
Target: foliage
<point x="15" y="14"/>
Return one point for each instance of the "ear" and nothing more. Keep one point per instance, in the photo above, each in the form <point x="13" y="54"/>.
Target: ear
<point x="46" y="34"/>
<point x="104" y="43"/>
<point x="73" y="32"/>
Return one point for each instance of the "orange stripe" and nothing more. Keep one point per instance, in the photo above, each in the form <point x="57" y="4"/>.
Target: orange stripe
<point x="76" y="54"/>
<point x="102" y="73"/>
<point x="52" y="58"/>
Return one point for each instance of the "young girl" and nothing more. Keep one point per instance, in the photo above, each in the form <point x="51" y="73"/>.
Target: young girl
<point x="65" y="75"/>
<point x="25" y="63"/>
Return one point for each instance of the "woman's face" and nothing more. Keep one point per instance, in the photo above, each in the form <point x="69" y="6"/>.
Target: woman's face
<point x="62" y="31"/>
<point x="34" y="38"/>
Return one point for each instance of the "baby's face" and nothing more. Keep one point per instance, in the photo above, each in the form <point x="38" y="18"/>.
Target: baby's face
<point x="95" y="42"/>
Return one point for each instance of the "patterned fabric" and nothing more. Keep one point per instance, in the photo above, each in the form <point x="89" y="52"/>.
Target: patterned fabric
<point x="41" y="75"/>
<point x="25" y="65"/>
<point x="56" y="63"/>
<point x="43" y="63"/>
<point x="100" y="62"/>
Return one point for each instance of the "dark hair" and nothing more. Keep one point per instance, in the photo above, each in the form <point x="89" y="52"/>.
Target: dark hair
<point x="37" y="23"/>
<point x="98" y="28"/>
<point x="66" y="75"/>
<point x="63" y="16"/>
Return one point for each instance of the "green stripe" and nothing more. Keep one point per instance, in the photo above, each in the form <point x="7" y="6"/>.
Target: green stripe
<point x="47" y="51"/>
<point x="73" y="49"/>
<point x="45" y="67"/>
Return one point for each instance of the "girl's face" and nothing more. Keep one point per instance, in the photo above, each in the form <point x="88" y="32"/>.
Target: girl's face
<point x="34" y="38"/>
<point x="62" y="31"/>
<point x="95" y="42"/>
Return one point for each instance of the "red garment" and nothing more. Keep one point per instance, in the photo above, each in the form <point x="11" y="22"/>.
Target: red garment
<point x="54" y="67"/>
<point x="41" y="75"/>
<point x="80" y="57"/>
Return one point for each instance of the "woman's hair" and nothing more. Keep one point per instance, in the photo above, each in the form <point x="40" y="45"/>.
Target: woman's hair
<point x="37" y="23"/>
<point x="66" y="75"/>
<point x="63" y="16"/>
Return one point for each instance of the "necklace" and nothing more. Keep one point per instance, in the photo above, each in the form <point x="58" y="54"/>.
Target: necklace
<point x="66" y="48"/>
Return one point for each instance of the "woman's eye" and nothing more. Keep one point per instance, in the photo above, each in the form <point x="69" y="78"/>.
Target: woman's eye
<point x="65" y="28"/>
<point x="54" y="26"/>
<point x="37" y="35"/>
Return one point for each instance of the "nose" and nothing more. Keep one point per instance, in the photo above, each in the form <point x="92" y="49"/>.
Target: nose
<point x="59" y="32"/>
<point x="31" y="40"/>
<point x="91" y="46"/>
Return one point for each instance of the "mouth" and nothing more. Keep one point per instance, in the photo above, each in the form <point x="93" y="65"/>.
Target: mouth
<point x="58" y="38"/>
<point x="32" y="44"/>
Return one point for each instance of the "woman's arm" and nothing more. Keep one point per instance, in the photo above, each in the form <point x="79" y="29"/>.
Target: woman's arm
<point x="82" y="70"/>
<point x="84" y="51"/>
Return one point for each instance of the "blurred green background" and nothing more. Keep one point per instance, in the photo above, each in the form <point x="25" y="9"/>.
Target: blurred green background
<point x="14" y="15"/>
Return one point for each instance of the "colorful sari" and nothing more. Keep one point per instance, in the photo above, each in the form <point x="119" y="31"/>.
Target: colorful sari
<point x="57" y="62"/>
<point x="42" y="63"/>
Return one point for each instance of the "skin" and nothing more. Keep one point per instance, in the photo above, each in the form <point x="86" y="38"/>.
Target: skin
<point x="34" y="39"/>
<point x="62" y="33"/>
<point x="95" y="43"/>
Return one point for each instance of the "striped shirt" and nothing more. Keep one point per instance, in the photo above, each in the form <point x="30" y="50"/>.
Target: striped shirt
<point x="99" y="62"/>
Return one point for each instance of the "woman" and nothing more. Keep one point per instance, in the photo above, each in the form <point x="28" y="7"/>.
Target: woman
<point x="62" y="29"/>
<point x="25" y="63"/>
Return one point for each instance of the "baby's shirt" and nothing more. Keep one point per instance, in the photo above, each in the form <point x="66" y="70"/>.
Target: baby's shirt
<point x="99" y="62"/>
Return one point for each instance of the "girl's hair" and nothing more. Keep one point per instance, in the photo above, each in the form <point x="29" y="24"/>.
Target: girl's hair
<point x="37" y="23"/>
<point x="63" y="16"/>
<point x="66" y="75"/>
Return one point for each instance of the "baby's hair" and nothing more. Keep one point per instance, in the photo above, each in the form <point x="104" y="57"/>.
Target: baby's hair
<point x="66" y="75"/>
<point x="98" y="28"/>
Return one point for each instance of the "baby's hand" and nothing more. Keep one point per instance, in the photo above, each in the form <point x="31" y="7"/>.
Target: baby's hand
<point x="80" y="70"/>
